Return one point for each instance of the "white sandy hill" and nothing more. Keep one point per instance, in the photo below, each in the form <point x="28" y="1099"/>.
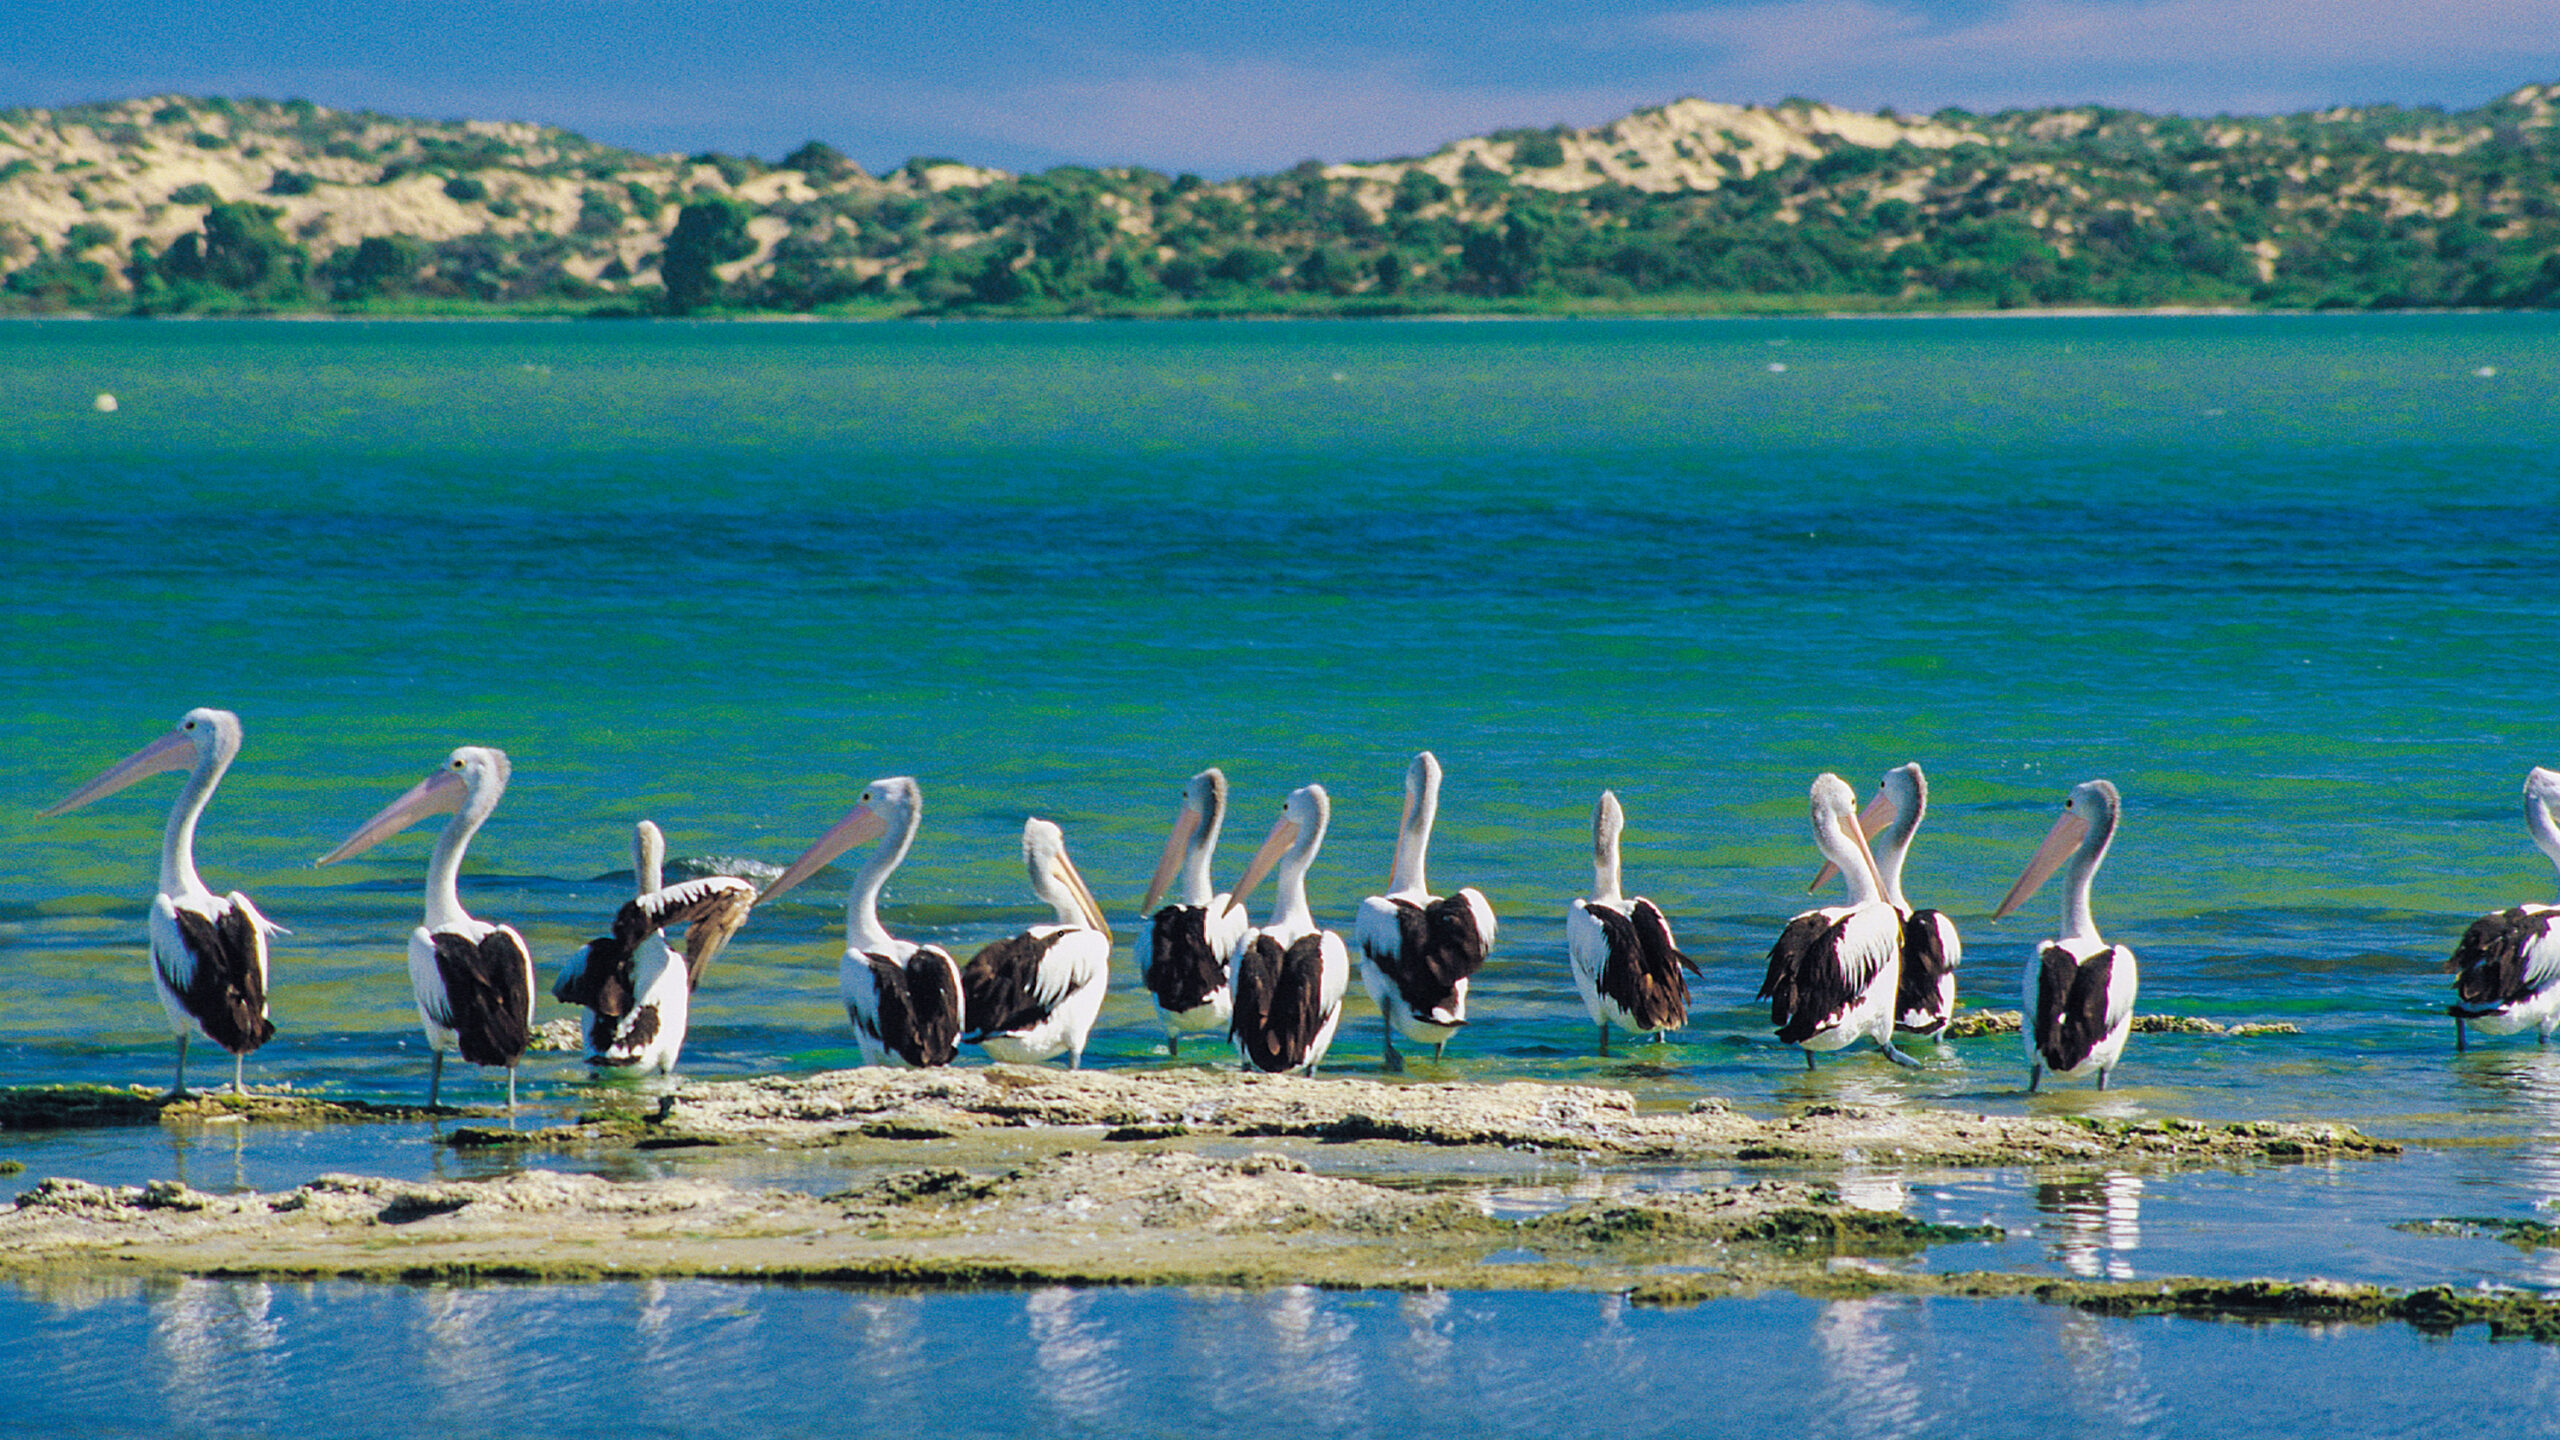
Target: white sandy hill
<point x="149" y="169"/>
<point x="1685" y="145"/>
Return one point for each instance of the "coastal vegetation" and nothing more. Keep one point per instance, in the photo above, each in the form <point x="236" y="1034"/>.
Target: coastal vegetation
<point x="181" y="205"/>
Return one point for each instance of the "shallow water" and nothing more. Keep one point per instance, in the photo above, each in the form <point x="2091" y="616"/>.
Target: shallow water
<point x="2280" y="578"/>
<point x="710" y="1358"/>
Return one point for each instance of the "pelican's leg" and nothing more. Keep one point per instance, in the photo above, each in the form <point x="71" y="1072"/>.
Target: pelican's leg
<point x="435" y="1080"/>
<point x="2035" y="1073"/>
<point x="511" y="1088"/>
<point x="1172" y="1046"/>
<point x="1604" y="1039"/>
<point x="1808" y="1060"/>
<point x="2460" y="1041"/>
<point x="2103" y="1072"/>
<point x="1441" y="1049"/>
<point x="1898" y="1058"/>
<point x="238" y="1063"/>
<point x="1387" y="1032"/>
<point x="1075" y="1057"/>
<point x="178" y="1087"/>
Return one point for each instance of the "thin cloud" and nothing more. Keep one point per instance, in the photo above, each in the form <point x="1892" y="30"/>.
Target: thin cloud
<point x="2211" y="54"/>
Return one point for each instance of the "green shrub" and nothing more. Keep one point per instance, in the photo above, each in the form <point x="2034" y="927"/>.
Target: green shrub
<point x="709" y="232"/>
<point x="465" y="189"/>
<point x="291" y="182"/>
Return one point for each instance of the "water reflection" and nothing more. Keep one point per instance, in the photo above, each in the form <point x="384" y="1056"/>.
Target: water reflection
<point x="1428" y="1340"/>
<point x="2110" y="1380"/>
<point x="222" y="1168"/>
<point x="2524" y="1083"/>
<point x="1868" y="1384"/>
<point x="1074" y="1354"/>
<point x="215" y="1344"/>
<point x="887" y="1389"/>
<point x="2097" y="1223"/>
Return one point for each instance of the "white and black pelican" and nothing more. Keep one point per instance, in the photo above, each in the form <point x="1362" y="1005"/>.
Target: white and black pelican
<point x="1931" y="949"/>
<point x="1416" y="948"/>
<point x="640" y="993"/>
<point x="1188" y="946"/>
<point x="2507" y="968"/>
<point x="1290" y="975"/>
<point x="1037" y="993"/>
<point x="208" y="951"/>
<point x="2078" y="993"/>
<point x="473" y="979"/>
<point x="1834" y="972"/>
<point x="1625" y="963"/>
<point x="904" y="999"/>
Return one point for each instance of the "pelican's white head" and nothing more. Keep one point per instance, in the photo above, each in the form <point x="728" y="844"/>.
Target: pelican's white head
<point x="1054" y="878"/>
<point x="1195" y="835"/>
<point x="469" y="784"/>
<point x="203" y="738"/>
<point x="891" y="806"/>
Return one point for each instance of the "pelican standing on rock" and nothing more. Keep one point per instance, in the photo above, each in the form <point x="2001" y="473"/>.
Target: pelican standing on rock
<point x="473" y="979"/>
<point x="1290" y="975"/>
<point x="1625" y="963"/>
<point x="904" y="999"/>
<point x="208" y="951"/>
<point x="1416" y="948"/>
<point x="1188" y="946"/>
<point x="2507" y="968"/>
<point x="1835" y="971"/>
<point x="640" y="994"/>
<point x="1931" y="949"/>
<point x="2077" y="997"/>
<point x="1037" y="993"/>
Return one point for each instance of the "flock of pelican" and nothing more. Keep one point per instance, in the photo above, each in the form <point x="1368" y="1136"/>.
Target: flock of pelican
<point x="1867" y="969"/>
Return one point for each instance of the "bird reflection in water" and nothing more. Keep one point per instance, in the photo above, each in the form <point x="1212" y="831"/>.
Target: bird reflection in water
<point x="1079" y="1375"/>
<point x="2523" y="1087"/>
<point x="2098" y="1223"/>
<point x="216" y="1345"/>
<point x="1428" y="1338"/>
<point x="1866" y="1352"/>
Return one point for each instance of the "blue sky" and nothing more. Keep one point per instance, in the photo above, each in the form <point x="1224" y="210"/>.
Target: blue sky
<point x="1223" y="87"/>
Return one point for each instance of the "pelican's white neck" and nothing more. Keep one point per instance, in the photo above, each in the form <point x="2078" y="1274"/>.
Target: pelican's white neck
<point x="178" y="839"/>
<point x="2537" y="819"/>
<point x="1607" y="823"/>
<point x="444" y="867"/>
<point x="862" y="928"/>
<point x="1413" y="840"/>
<point x="2077" y="924"/>
<point x="1197" y="886"/>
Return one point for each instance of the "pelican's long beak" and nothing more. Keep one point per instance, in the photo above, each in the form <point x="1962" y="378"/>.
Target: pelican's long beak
<point x="173" y="751"/>
<point x="1185" y="825"/>
<point x="439" y="794"/>
<point x="1283" y="835"/>
<point x="1879" y="813"/>
<point x="863" y="824"/>
<point x="2067" y="833"/>
<point x="1092" y="908"/>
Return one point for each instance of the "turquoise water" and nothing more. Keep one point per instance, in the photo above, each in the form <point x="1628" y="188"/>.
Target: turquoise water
<point x="2285" y="580"/>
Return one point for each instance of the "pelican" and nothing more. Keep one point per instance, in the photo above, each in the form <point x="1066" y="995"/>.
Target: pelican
<point x="2508" y="964"/>
<point x="2078" y="992"/>
<point x="208" y="951"/>
<point x="473" y="979"/>
<point x="1931" y="949"/>
<point x="904" y="999"/>
<point x="1834" y="972"/>
<point x="641" y="996"/>
<point x="1033" y="995"/>
<point x="1625" y="963"/>
<point x="1290" y="975"/>
<point x="1417" y="949"/>
<point x="1186" y="946"/>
